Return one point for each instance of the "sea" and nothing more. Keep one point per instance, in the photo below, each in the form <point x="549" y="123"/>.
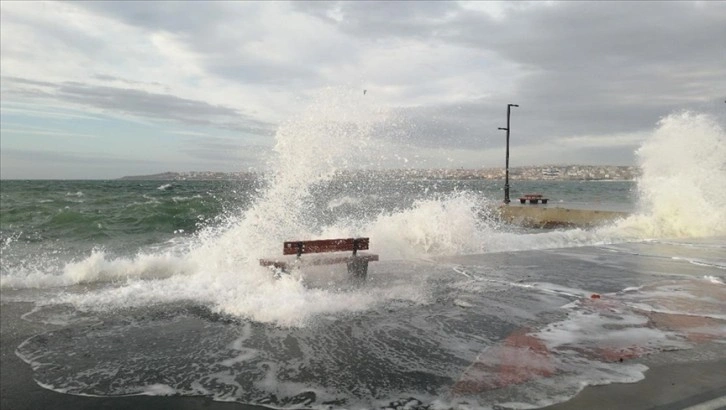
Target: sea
<point x="155" y="287"/>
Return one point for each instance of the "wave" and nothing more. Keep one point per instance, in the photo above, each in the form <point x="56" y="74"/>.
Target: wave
<point x="683" y="184"/>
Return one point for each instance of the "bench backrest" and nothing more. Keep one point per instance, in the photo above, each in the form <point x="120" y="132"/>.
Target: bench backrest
<point x="325" y="245"/>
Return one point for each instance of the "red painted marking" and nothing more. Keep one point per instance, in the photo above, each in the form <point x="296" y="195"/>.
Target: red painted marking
<point x="524" y="357"/>
<point x="519" y="358"/>
<point x="692" y="327"/>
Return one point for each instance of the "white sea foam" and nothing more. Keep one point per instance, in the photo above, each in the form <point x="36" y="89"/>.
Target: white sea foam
<point x="700" y="262"/>
<point x="185" y="198"/>
<point x="683" y="184"/>
<point x="694" y="297"/>
<point x="714" y="280"/>
<point x="158" y="390"/>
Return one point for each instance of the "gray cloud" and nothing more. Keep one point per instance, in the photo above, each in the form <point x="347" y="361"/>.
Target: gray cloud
<point x="139" y="102"/>
<point x="176" y="17"/>
<point x="592" y="67"/>
<point x="216" y="32"/>
<point x="613" y="67"/>
<point x="41" y="156"/>
<point x="106" y="77"/>
<point x="229" y="151"/>
<point x="385" y="19"/>
<point x="143" y="104"/>
<point x="257" y="72"/>
<point x="576" y="35"/>
<point x="27" y="81"/>
<point x="575" y="68"/>
<point x="32" y="164"/>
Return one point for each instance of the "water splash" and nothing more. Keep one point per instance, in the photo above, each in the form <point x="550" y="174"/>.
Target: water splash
<point x="220" y="268"/>
<point x="683" y="184"/>
<point x="334" y="133"/>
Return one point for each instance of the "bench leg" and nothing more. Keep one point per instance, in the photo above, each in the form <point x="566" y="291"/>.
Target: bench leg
<point x="358" y="269"/>
<point x="278" y="272"/>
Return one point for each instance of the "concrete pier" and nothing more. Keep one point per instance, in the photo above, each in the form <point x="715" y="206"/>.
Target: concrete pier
<point x="546" y="217"/>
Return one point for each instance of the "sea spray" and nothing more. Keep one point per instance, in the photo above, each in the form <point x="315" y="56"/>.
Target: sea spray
<point x="334" y="133"/>
<point x="221" y="269"/>
<point x="682" y="189"/>
<point x="440" y="226"/>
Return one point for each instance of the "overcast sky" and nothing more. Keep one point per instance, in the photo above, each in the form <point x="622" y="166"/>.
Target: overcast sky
<point x="106" y="89"/>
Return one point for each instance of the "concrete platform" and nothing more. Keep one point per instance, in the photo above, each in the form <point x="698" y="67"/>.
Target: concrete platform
<point x="555" y="217"/>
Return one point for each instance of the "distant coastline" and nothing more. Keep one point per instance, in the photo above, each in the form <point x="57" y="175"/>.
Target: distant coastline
<point x="531" y="173"/>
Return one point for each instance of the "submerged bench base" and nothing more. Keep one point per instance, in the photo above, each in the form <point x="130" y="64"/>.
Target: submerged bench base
<point x="357" y="264"/>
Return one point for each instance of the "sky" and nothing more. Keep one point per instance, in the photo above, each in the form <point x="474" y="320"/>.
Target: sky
<point x="97" y="90"/>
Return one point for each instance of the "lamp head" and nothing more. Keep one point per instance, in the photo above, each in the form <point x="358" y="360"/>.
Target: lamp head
<point x="513" y="105"/>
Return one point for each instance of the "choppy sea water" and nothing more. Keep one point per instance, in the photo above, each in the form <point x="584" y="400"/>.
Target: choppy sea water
<point x="158" y="289"/>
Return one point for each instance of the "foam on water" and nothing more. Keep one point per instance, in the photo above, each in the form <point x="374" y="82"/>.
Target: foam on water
<point x="368" y="360"/>
<point x="714" y="280"/>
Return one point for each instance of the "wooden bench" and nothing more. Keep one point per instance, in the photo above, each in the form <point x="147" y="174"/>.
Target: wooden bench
<point x="533" y="199"/>
<point x="357" y="261"/>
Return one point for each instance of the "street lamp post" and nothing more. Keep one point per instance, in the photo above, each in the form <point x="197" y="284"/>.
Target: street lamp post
<point x="506" y="172"/>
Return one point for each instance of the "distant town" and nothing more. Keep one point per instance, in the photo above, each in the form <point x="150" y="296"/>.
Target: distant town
<point x="532" y="173"/>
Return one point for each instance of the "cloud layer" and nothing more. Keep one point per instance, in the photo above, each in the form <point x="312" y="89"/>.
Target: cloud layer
<point x="205" y="85"/>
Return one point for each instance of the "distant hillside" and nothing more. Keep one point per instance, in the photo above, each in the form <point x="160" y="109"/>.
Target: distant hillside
<point x="191" y="176"/>
<point x="549" y="172"/>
